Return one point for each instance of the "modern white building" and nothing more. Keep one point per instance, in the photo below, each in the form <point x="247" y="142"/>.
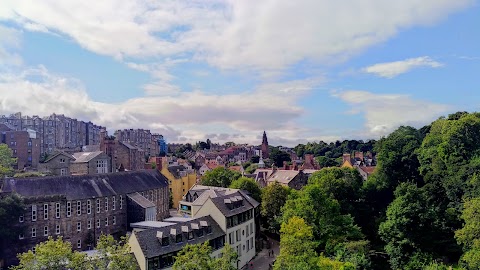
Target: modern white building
<point x="232" y="209"/>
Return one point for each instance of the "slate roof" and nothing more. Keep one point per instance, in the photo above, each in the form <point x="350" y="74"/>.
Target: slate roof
<point x="82" y="157"/>
<point x="140" y="200"/>
<point x="222" y="206"/>
<point x="152" y="247"/>
<point x="86" y="186"/>
<point x="129" y="146"/>
<point x="175" y="170"/>
<point x="282" y="176"/>
<point x="58" y="153"/>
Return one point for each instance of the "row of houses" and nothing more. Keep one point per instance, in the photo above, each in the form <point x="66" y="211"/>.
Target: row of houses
<point x="83" y="207"/>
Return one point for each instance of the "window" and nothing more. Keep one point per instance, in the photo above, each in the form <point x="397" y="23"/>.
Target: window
<point x="251" y="228"/>
<point x="62" y="160"/>
<point x="190" y="235"/>
<point x="248" y="245"/>
<point x="45" y="231"/>
<point x="57" y="229"/>
<point x="106" y="204"/>
<point x="63" y="171"/>
<point x="238" y="236"/>
<point x="69" y="209"/>
<point x="231" y="240"/>
<point x="34" y="212"/>
<point x="34" y="232"/>
<point x="106" y="221"/>
<point x="251" y="243"/>
<point x="102" y="166"/>
<point x="79" y="226"/>
<point x="121" y="201"/>
<point x="79" y="244"/>
<point x="89" y="207"/>
<point x="89" y="224"/>
<point x="248" y="231"/>
<point x="21" y="236"/>
<point x="98" y="223"/>
<point x="79" y="208"/>
<point x="57" y="210"/>
<point x="239" y="250"/>
<point x="113" y="203"/>
<point x="98" y="205"/>
<point x="21" y="218"/>
<point x="114" y="220"/>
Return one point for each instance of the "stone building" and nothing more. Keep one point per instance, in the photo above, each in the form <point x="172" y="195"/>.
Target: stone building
<point x="232" y="209"/>
<point x="24" y="144"/>
<point x="140" y="138"/>
<point x="156" y="248"/>
<point x="81" y="208"/>
<point x="123" y="155"/>
<point x="56" y="131"/>
<point x="57" y="163"/>
<point x="90" y="163"/>
<point x="265" y="150"/>
<point x="180" y="179"/>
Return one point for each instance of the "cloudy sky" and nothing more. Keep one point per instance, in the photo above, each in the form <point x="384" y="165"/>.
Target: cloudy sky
<point x="227" y="70"/>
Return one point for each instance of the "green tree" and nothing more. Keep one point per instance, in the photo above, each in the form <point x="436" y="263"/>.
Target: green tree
<point x="297" y="246"/>
<point x="322" y="213"/>
<point x="227" y="260"/>
<point x="411" y="229"/>
<point x="354" y="252"/>
<point x="278" y="157"/>
<point x="469" y="234"/>
<point x="343" y="183"/>
<point x="251" y="169"/>
<point x="6" y="161"/>
<point x="197" y="257"/>
<point x="325" y="263"/>
<point x="113" y="254"/>
<point x="274" y="197"/>
<point x="326" y="162"/>
<point x="249" y="185"/>
<point x="254" y="159"/>
<point x="54" y="255"/>
<point x="11" y="206"/>
<point x="220" y="177"/>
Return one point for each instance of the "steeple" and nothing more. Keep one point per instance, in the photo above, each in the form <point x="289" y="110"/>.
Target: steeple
<point x="265" y="151"/>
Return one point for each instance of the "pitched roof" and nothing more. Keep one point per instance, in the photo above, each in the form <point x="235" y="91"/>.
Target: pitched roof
<point x="140" y="200"/>
<point x="221" y="204"/>
<point x="82" y="157"/>
<point x="367" y="169"/>
<point x="175" y="170"/>
<point x="129" y="146"/>
<point x="283" y="176"/>
<point x="86" y="186"/>
<point x="152" y="247"/>
<point x="58" y="153"/>
<point x="236" y="168"/>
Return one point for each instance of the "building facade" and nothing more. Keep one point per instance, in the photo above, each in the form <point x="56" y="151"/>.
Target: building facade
<point x="180" y="180"/>
<point x="57" y="131"/>
<point x="140" y="138"/>
<point x="25" y="146"/>
<point x="90" y="163"/>
<point x="57" y="163"/>
<point x="232" y="209"/>
<point x="81" y="208"/>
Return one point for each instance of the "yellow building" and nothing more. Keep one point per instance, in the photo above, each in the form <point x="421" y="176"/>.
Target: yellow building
<point x="180" y="179"/>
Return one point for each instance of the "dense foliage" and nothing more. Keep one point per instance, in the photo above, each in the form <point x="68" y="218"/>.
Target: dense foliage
<point x="420" y="209"/>
<point x="197" y="257"/>
<point x="57" y="254"/>
<point x="220" y="177"/>
<point x="249" y="185"/>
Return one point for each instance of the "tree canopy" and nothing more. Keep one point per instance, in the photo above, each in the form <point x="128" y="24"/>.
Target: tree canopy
<point x="197" y="257"/>
<point x="249" y="185"/>
<point x="220" y="177"/>
<point x="6" y="161"/>
<point x="274" y="197"/>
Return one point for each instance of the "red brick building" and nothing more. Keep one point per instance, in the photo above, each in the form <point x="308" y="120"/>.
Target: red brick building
<point x="25" y="146"/>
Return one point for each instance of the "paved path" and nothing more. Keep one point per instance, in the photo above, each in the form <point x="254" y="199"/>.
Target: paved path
<point x="262" y="260"/>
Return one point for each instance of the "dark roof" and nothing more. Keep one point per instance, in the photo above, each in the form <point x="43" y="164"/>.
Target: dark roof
<point x="86" y="186"/>
<point x="151" y="246"/>
<point x="140" y="200"/>
<point x="58" y="153"/>
<point x="129" y="146"/>
<point x="175" y="170"/>
<point x="222" y="206"/>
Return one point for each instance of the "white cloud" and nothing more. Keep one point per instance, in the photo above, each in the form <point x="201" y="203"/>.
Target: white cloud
<point x="39" y="92"/>
<point x="393" y="69"/>
<point x="10" y="40"/>
<point x="260" y="35"/>
<point x="385" y="112"/>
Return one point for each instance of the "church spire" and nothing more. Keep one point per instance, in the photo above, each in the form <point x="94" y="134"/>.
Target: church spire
<point x="265" y="150"/>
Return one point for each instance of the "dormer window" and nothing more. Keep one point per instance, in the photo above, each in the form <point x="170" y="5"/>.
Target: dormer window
<point x="164" y="240"/>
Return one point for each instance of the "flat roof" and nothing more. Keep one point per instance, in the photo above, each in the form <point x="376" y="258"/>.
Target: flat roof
<point x="178" y="219"/>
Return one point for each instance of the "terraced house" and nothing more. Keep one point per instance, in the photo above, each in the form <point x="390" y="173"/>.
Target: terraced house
<point x="81" y="208"/>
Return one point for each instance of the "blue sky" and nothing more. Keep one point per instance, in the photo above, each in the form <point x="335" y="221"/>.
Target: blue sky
<point x="227" y="70"/>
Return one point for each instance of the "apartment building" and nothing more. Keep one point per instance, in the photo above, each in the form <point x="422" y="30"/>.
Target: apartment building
<point x="25" y="146"/>
<point x="81" y="208"/>
<point x="141" y="138"/>
<point x="232" y="209"/>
